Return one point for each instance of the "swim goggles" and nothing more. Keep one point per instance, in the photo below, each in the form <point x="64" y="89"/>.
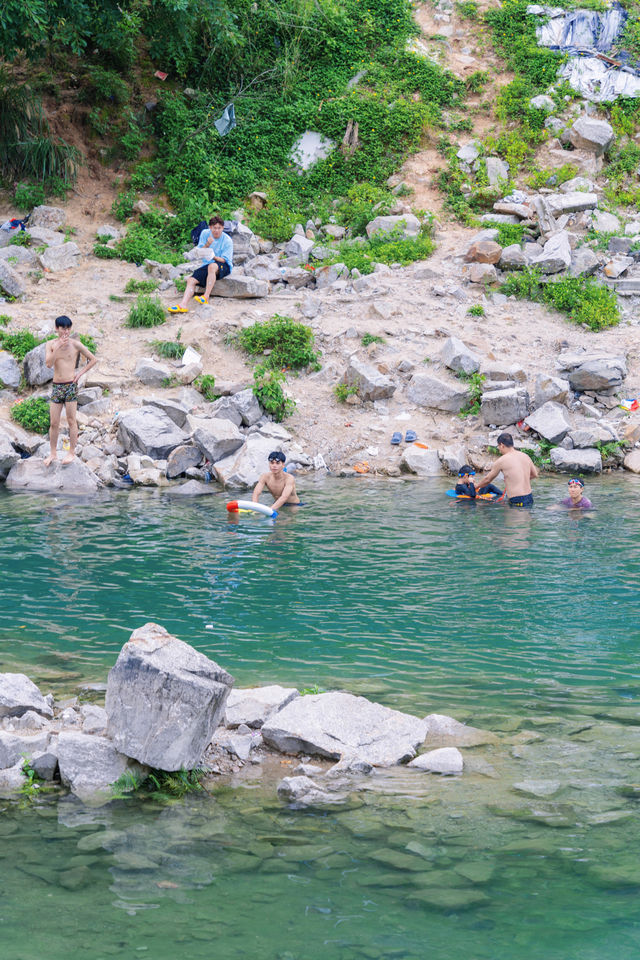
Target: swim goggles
<point x="575" y="480"/>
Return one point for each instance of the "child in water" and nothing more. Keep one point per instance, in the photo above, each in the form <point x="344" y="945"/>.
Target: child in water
<point x="465" y="486"/>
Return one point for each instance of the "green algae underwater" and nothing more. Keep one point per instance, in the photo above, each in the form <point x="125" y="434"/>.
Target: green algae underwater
<point x="520" y="622"/>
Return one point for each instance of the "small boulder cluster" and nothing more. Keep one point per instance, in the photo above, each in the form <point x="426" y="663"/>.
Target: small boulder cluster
<point x="169" y="707"/>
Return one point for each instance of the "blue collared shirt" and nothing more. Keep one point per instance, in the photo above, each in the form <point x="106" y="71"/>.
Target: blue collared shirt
<point x="222" y="247"/>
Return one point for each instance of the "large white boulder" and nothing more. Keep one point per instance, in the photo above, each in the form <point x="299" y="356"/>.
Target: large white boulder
<point x="89" y="765"/>
<point x="406" y="225"/>
<point x="424" y="463"/>
<point x="36" y="372"/>
<point x="550" y="421"/>
<point x="18" y="694"/>
<point x="426" y="390"/>
<point x="71" y="479"/>
<point x="590" y="134"/>
<point x="9" y="370"/>
<point x="216" y="438"/>
<point x="445" y="760"/>
<point x="244" y="467"/>
<point x="576" y="461"/>
<point x="164" y="700"/>
<point x="336" y="724"/>
<point x="150" y="431"/>
<point x="13" y="746"/>
<point x="460" y="358"/>
<point x="370" y="383"/>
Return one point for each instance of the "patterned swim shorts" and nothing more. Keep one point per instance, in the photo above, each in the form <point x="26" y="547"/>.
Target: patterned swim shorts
<point x="64" y="392"/>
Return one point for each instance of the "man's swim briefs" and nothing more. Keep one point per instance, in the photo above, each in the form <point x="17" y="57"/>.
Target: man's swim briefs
<point x="525" y="500"/>
<point x="64" y="392"/>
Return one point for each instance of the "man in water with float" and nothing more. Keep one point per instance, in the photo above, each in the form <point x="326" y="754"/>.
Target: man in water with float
<point x="517" y="469"/>
<point x="281" y="485"/>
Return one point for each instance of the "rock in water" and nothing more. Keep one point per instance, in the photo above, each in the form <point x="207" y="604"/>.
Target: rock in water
<point x="164" y="700"/>
<point x="339" y="724"/>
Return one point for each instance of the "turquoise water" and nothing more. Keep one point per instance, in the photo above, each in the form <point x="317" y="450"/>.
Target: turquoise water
<point x="521" y="622"/>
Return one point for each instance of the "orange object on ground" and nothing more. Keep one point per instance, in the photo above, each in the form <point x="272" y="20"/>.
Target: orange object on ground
<point x="362" y="467"/>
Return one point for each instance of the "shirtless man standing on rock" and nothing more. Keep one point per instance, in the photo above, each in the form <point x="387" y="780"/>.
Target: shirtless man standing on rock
<point x="518" y="471"/>
<point x="62" y="354"/>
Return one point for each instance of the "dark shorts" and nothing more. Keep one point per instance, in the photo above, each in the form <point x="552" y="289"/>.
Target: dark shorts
<point x="223" y="270"/>
<point x="300" y="504"/>
<point x="526" y="500"/>
<point x="64" y="393"/>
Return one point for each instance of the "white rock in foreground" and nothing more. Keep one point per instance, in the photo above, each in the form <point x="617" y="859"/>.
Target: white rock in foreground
<point x="89" y="765"/>
<point x="32" y="475"/>
<point x="339" y="724"/>
<point x="446" y="760"/>
<point x="164" y="700"/>
<point x="19" y="694"/>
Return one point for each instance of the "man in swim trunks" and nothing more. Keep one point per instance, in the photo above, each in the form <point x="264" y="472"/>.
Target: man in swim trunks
<point x="280" y="485"/>
<point x="517" y="469"/>
<point x="217" y="263"/>
<point x="62" y="354"/>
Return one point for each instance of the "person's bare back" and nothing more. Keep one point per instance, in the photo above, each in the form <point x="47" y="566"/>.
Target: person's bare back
<point x="517" y="469"/>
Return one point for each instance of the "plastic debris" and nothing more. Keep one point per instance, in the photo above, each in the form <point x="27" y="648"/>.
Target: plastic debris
<point x="629" y="405"/>
<point x="227" y="121"/>
<point x="160" y="75"/>
<point x="587" y="36"/>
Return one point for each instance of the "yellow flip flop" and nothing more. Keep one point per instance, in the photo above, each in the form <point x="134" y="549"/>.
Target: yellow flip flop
<point x="177" y="309"/>
<point x="201" y="300"/>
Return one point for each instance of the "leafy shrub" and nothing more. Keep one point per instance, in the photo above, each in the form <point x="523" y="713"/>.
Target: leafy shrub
<point x="122" y="206"/>
<point x="540" y="178"/>
<point x="206" y="385"/>
<point x="88" y="342"/>
<point x="141" y="286"/>
<point x="29" y="195"/>
<point x="583" y="300"/>
<point x="342" y="391"/>
<point x="290" y="342"/>
<point x="4" y="319"/>
<point x="146" y="312"/>
<point x="383" y="248"/>
<point x="101" y="85"/>
<point x="477" y="310"/>
<point x="474" y="382"/>
<point x="142" y="244"/>
<point x="358" y="208"/>
<point x="20" y="239"/>
<point x="508" y="233"/>
<point x="267" y="389"/>
<point x="18" y="344"/>
<point x="371" y="338"/>
<point x="32" y="414"/>
<point x="103" y="252"/>
<point x="180" y="283"/>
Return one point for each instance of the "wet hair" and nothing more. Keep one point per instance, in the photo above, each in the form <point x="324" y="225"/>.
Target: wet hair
<point x="215" y="220"/>
<point x="63" y="322"/>
<point x="464" y="470"/>
<point x="277" y="455"/>
<point x="505" y="439"/>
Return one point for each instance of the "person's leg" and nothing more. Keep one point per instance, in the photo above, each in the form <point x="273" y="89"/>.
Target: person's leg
<point x="71" y="408"/>
<point x="189" y="291"/>
<point x="212" y="276"/>
<point x="55" y="410"/>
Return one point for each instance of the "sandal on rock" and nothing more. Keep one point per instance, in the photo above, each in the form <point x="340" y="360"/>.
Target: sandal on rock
<point x="177" y="309"/>
<point x="201" y="300"/>
<point x="410" y="436"/>
<point x="396" y="438"/>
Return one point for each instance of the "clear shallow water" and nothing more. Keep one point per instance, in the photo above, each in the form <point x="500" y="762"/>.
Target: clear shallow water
<point x="523" y="622"/>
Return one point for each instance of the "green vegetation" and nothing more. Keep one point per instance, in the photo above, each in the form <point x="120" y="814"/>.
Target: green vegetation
<point x="290" y="342"/>
<point x="583" y="300"/>
<point x="477" y="310"/>
<point x="474" y="381"/>
<point x="141" y="286"/>
<point x="20" y="239"/>
<point x="268" y="390"/>
<point x="206" y="385"/>
<point x="558" y="176"/>
<point x="180" y="283"/>
<point x="4" y="319"/>
<point x="613" y="450"/>
<point x="146" y="312"/>
<point x="342" y="391"/>
<point x="88" y="342"/>
<point x="104" y="253"/>
<point x="158" y="785"/>
<point x="169" y="349"/>
<point x="371" y="338"/>
<point x="384" y="248"/>
<point x="33" y="783"/>
<point x="311" y="691"/>
<point x="18" y="344"/>
<point x="32" y="414"/>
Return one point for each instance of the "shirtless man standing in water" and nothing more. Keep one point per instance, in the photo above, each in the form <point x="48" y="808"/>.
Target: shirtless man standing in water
<point x="280" y="485"/>
<point x="517" y="469"/>
<point x="62" y="354"/>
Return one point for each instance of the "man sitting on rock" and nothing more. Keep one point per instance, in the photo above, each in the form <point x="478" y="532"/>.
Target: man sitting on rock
<point x="280" y="485"/>
<point x="217" y="263"/>
<point x="62" y="354"/>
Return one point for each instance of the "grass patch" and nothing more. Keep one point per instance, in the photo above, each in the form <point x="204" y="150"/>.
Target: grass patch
<point x="371" y="338"/>
<point x="104" y="253"/>
<point x="384" y="248"/>
<point x="146" y="312"/>
<point x="4" y="319"/>
<point x="169" y="349"/>
<point x="141" y="286"/>
<point x="477" y="310"/>
<point x="88" y="342"/>
<point x="32" y="414"/>
<point x="581" y="299"/>
<point x="291" y="343"/>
